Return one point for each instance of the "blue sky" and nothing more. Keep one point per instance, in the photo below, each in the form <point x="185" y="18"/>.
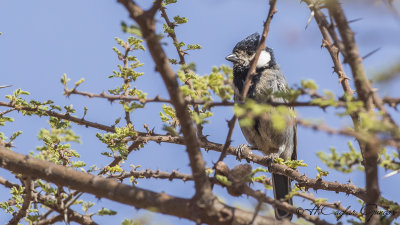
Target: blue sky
<point x="44" y="39"/>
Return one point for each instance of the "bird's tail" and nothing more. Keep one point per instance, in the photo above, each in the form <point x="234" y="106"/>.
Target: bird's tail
<point x="282" y="187"/>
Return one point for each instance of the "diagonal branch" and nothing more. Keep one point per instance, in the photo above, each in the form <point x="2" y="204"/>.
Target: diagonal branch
<point x="252" y="71"/>
<point x="50" y="221"/>
<point x="368" y="96"/>
<point x="65" y="116"/>
<point x="333" y="49"/>
<point x="261" y="46"/>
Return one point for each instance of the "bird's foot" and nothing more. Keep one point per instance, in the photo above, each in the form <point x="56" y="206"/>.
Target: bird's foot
<point x="269" y="159"/>
<point x="242" y="150"/>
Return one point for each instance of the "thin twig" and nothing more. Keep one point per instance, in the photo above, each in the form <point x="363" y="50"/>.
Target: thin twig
<point x="197" y="164"/>
<point x="182" y="62"/>
<point x="28" y="184"/>
<point x="5" y="112"/>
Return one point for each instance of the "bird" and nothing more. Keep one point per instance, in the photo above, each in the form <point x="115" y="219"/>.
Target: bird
<point x="268" y="79"/>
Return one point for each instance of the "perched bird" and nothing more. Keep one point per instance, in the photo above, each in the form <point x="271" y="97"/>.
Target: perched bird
<point x="267" y="80"/>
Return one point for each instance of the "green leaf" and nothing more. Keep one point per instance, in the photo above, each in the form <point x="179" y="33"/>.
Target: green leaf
<point x="78" y="164"/>
<point x="15" y="135"/>
<point x="309" y="84"/>
<point x="79" y="82"/>
<point x="132" y="29"/>
<point x="129" y="222"/>
<point x="179" y="44"/>
<point x="180" y="20"/>
<point x="167" y="2"/>
<point x="223" y="179"/>
<point x="168" y="30"/>
<point x="105" y="211"/>
<point x="193" y="47"/>
<point x="65" y="79"/>
<point x="321" y="173"/>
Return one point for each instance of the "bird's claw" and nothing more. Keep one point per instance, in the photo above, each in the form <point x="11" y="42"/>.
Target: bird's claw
<point x="240" y="150"/>
<point x="268" y="160"/>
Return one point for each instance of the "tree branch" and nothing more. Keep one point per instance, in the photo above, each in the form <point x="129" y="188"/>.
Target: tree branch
<point x="50" y="221"/>
<point x="65" y="116"/>
<point x="284" y="205"/>
<point x="49" y="202"/>
<point x="147" y="26"/>
<point x="332" y="49"/>
<point x="368" y="96"/>
<point x="28" y="184"/>
<point x="153" y="174"/>
<point x="101" y="187"/>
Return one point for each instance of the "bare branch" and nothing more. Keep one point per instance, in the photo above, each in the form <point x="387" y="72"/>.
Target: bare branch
<point x="5" y="112"/>
<point x="153" y="10"/>
<point x="330" y="46"/>
<point x="261" y="46"/>
<point x="50" y="221"/>
<point x="153" y="174"/>
<point x="393" y="102"/>
<point x="209" y="104"/>
<point x="65" y="116"/>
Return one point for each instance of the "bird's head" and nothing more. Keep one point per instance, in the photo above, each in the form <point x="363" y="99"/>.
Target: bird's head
<point x="244" y="52"/>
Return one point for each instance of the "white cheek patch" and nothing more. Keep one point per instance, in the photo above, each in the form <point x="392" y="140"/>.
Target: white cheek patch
<point x="264" y="59"/>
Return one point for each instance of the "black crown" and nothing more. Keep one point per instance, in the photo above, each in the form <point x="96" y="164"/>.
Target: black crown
<point x="249" y="44"/>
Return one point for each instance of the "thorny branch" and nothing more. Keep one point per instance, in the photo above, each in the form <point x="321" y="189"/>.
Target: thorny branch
<point x="65" y="116"/>
<point x="364" y="89"/>
<point x="329" y="45"/>
<point x="49" y="202"/>
<point x="339" y="103"/>
<point x="368" y="96"/>
<point x="153" y="174"/>
<point x="302" y="179"/>
<point x="126" y="194"/>
<point x="147" y="26"/>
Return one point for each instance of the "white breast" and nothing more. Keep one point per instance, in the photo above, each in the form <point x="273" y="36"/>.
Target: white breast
<point x="264" y="59"/>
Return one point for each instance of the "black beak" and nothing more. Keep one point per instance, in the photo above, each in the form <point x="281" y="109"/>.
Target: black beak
<point x="232" y="57"/>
